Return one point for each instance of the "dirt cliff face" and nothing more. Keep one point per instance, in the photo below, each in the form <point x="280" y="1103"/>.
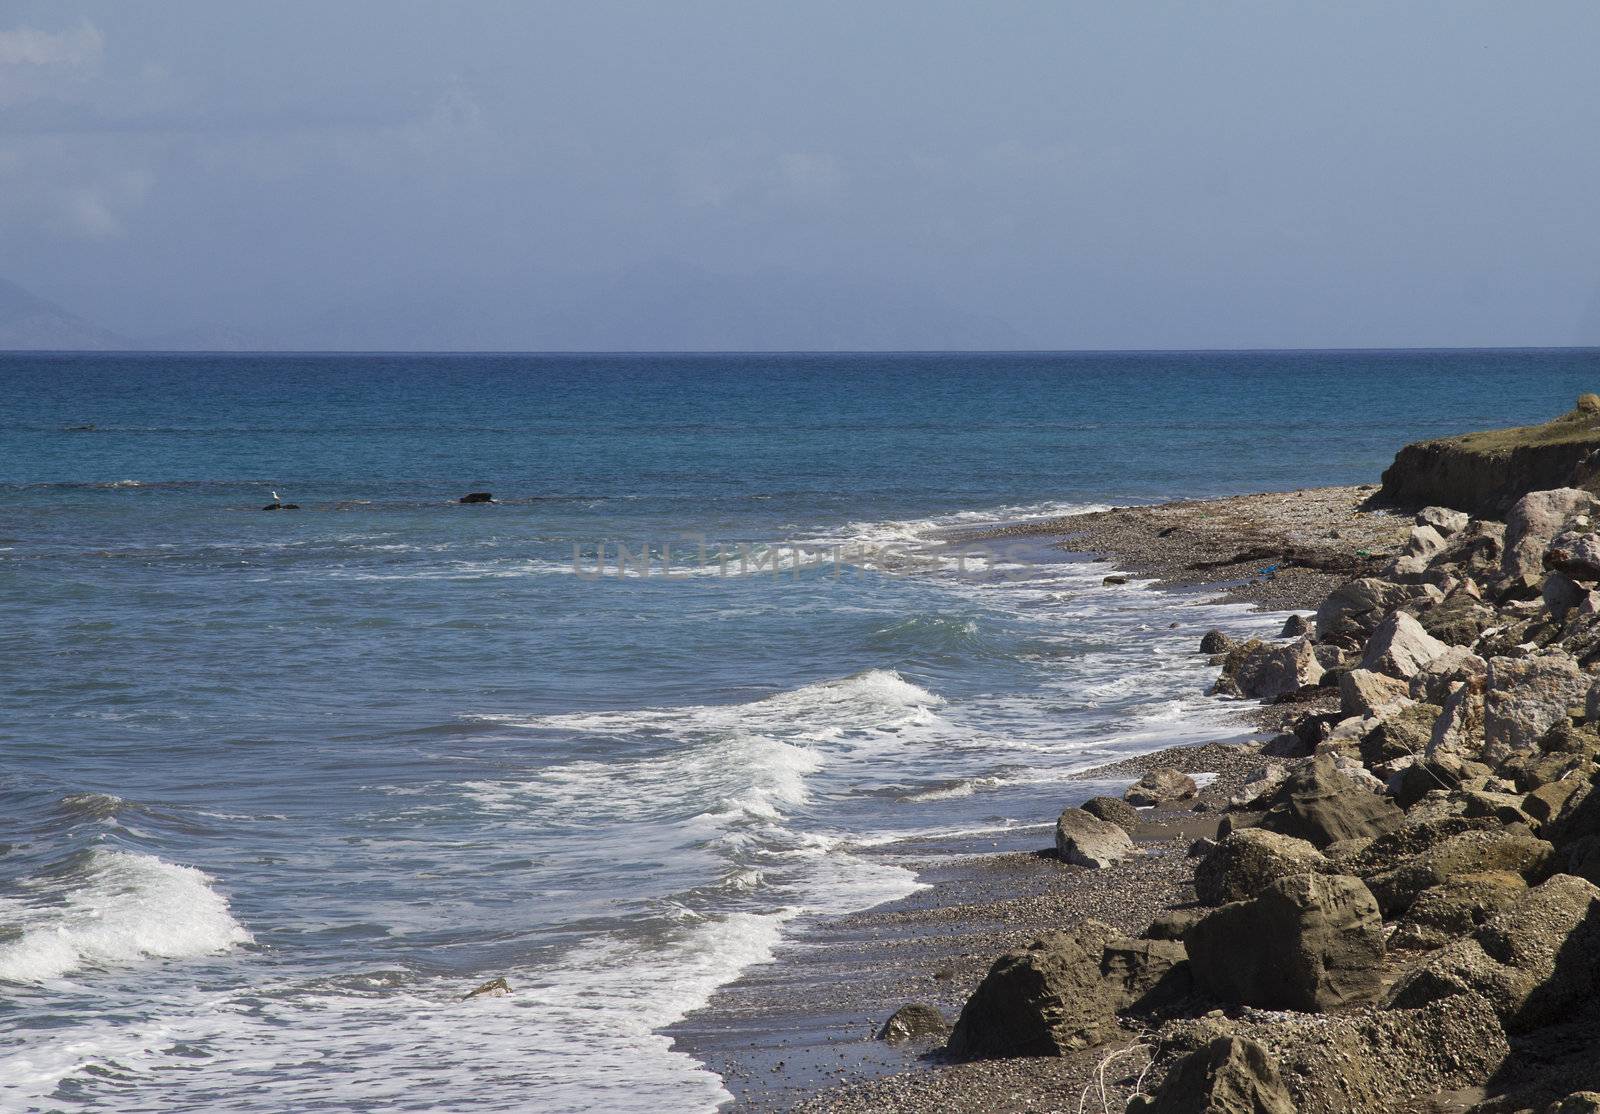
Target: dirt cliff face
<point x="1485" y="473"/>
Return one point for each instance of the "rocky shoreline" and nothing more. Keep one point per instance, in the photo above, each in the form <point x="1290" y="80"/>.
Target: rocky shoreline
<point x="1388" y="902"/>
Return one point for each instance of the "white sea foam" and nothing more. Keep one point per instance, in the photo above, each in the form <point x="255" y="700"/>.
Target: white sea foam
<point x="126" y="907"/>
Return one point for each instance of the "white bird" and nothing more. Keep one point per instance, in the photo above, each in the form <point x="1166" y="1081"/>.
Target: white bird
<point x="275" y="498"/>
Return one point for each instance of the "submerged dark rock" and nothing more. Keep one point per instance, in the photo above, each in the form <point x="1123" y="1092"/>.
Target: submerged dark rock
<point x="477" y="497"/>
<point x="281" y="507"/>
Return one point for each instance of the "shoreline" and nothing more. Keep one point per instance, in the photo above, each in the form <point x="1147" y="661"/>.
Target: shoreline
<point x="796" y="1033"/>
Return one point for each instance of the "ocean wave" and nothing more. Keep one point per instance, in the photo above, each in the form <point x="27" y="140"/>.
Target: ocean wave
<point x="121" y="907"/>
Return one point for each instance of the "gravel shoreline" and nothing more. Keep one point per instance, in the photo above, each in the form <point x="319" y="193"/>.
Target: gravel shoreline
<point x="796" y="1034"/>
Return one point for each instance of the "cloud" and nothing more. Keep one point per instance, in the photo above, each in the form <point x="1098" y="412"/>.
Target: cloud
<point x="718" y="175"/>
<point x="36" y="64"/>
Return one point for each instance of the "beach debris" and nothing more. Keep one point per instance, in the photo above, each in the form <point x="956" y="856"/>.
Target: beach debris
<point x="1161" y="786"/>
<point x="1231" y="1075"/>
<point x="914" y="1022"/>
<point x="494" y="988"/>
<point x="1249" y="860"/>
<point x="1063" y="992"/>
<point x="1118" y="812"/>
<point x="1308" y="942"/>
<point x="477" y="497"/>
<point x="1086" y="840"/>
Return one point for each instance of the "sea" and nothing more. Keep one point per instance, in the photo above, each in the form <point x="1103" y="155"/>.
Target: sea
<point x="278" y="789"/>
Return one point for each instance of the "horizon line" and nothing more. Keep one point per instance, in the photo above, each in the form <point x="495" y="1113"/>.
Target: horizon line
<point x="7" y="352"/>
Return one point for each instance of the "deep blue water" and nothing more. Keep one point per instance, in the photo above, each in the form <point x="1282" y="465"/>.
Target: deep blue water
<point x="277" y="788"/>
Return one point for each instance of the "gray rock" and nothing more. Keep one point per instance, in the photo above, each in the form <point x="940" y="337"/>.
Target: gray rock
<point x="1117" y="812"/>
<point x="1261" y="782"/>
<point x="1087" y="840"/>
<point x="1249" y="860"/>
<point x="1362" y="692"/>
<point x="1320" y="805"/>
<point x="1295" y="626"/>
<point x="1532" y="525"/>
<point x="1353" y="611"/>
<point x="1160" y="786"/>
<point x="1492" y="851"/>
<point x="1431" y="684"/>
<point x="1063" y="992"/>
<point x="1575" y="552"/>
<point x="1525" y="697"/>
<point x="1536" y="963"/>
<point x="1561" y="594"/>
<point x="1309" y="942"/>
<point x="1231" y="1075"/>
<point x="1443" y="519"/>
<point x="494" y="988"/>
<point x="1215" y="642"/>
<point x="1270" y="671"/>
<point x="1400" y="647"/>
<point x="914" y="1022"/>
<point x="476" y="497"/>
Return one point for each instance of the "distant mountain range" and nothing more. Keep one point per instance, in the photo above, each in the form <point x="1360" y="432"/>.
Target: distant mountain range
<point x="666" y="306"/>
<point x="29" y="322"/>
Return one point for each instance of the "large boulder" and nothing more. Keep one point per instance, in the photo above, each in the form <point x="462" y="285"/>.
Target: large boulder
<point x="1400" y="647"/>
<point x="1266" y="671"/>
<point x="1160" y="786"/>
<point x="1371" y="1061"/>
<point x="1457" y="907"/>
<point x="1459" y="619"/>
<point x="1530" y="528"/>
<point x="1363" y="692"/>
<point x="1432" y="682"/>
<point x="1231" y="1075"/>
<point x="1575" y="551"/>
<point x="1483" y="851"/>
<point x="1443" y="519"/>
<point x="1458" y="732"/>
<point x="1308" y="942"/>
<point x="1525" y="697"/>
<point x="1536" y="963"/>
<point x="1319" y="804"/>
<point x="1063" y="992"/>
<point x="1353" y="611"/>
<point x="1245" y="862"/>
<point x="1424" y="544"/>
<point x="1086" y="840"/>
<point x="1114" y="811"/>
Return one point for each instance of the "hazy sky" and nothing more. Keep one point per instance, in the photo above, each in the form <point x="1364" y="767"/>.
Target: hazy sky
<point x="680" y="174"/>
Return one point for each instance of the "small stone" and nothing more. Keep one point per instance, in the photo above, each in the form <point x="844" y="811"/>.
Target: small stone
<point x="494" y="988"/>
<point x="914" y="1022"/>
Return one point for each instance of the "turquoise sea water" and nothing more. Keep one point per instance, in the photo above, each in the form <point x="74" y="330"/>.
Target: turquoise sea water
<point x="278" y="788"/>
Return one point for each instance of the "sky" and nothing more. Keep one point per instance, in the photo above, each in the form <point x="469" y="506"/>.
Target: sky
<point x="749" y="174"/>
